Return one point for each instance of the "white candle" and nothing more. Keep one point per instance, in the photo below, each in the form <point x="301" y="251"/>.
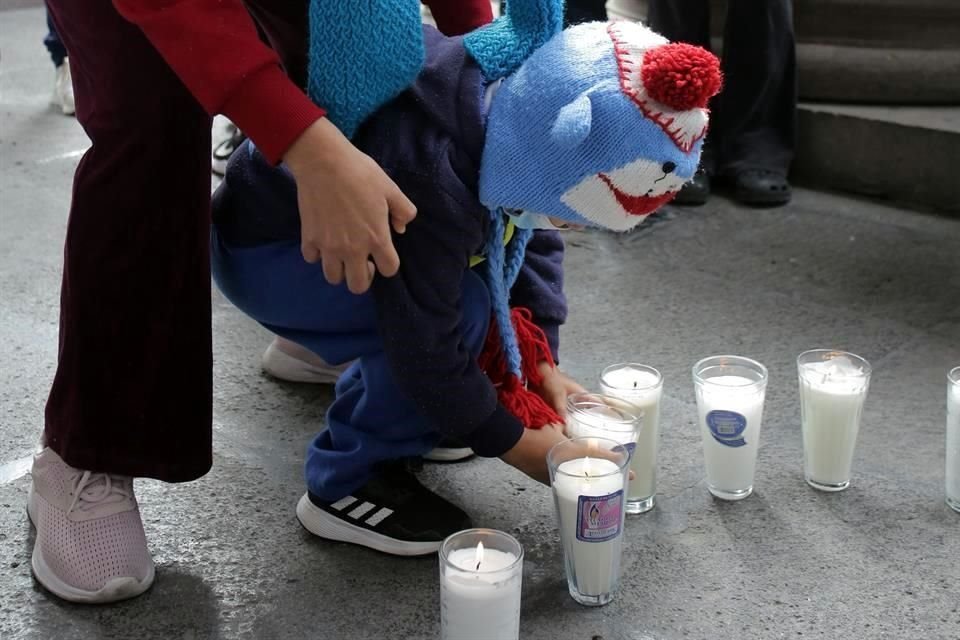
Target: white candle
<point x="832" y="394"/>
<point x="953" y="440"/>
<point x="731" y="412"/>
<point x="589" y="497"/>
<point x="480" y="595"/>
<point x="641" y="388"/>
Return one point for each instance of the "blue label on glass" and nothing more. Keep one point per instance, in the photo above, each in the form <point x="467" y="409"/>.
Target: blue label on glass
<point x="727" y="427"/>
<point x="630" y="447"/>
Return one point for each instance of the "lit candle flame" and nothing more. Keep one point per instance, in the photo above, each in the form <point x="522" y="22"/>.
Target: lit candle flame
<point x="586" y="466"/>
<point x="479" y="554"/>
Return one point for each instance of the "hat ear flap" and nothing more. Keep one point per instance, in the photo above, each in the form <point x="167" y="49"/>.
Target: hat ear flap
<point x="573" y="122"/>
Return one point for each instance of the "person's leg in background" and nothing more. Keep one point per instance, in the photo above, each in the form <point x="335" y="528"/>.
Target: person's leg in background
<point x="132" y="392"/>
<point x="757" y="109"/>
<point x="62" y="84"/>
<point x="689" y="21"/>
<point x="372" y="426"/>
<point x="577" y="11"/>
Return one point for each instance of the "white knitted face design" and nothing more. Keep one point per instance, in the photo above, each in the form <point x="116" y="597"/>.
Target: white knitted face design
<point x="623" y="198"/>
<point x="630" y="42"/>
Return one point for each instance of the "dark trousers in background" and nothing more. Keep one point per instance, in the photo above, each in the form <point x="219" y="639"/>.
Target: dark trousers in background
<point x="52" y="41"/>
<point x="753" y="121"/>
<point x="577" y="11"/>
<point x="133" y="388"/>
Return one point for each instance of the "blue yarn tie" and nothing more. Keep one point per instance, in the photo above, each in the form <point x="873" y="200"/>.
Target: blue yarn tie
<point x="502" y="268"/>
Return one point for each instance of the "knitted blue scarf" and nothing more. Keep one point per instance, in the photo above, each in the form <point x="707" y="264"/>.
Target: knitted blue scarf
<point x="362" y="55"/>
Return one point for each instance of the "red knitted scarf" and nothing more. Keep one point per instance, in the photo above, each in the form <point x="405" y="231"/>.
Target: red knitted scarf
<point x="512" y="392"/>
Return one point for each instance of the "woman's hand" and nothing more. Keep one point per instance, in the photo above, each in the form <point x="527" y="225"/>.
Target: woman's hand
<point x="347" y="205"/>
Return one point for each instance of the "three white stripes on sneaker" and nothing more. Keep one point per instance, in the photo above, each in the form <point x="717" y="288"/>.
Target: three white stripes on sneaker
<point x="358" y="512"/>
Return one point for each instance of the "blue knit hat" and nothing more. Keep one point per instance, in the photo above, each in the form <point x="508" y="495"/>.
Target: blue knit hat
<point x="599" y="125"/>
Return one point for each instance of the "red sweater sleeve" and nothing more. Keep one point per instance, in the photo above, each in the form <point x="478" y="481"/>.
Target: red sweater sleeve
<point x="212" y="46"/>
<point x="456" y="17"/>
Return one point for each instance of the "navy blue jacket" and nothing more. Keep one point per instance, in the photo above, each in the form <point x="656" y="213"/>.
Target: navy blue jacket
<point x="429" y="140"/>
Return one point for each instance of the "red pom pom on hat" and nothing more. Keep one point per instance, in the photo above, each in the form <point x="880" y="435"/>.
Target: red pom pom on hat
<point x="681" y="76"/>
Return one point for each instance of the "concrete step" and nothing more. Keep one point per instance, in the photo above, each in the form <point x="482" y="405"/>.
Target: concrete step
<point x="899" y="24"/>
<point x="879" y="76"/>
<point x="874" y="51"/>
<point x="905" y="154"/>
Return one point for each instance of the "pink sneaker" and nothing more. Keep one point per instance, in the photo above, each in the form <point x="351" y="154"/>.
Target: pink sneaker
<point x="90" y="543"/>
<point x="289" y="361"/>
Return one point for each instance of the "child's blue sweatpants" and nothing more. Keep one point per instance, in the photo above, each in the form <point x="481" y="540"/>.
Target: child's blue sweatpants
<point x="370" y="420"/>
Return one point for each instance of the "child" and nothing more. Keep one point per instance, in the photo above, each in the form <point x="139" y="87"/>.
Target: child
<point x="497" y="136"/>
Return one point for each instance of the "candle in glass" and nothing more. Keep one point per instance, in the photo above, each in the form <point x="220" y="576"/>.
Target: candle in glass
<point x="588" y="476"/>
<point x="833" y="389"/>
<point x="481" y="572"/>
<point x="953" y="439"/>
<point x="641" y="386"/>
<point x="730" y="395"/>
<point x="600" y="416"/>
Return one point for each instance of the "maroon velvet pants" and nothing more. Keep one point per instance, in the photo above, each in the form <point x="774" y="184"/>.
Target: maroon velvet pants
<point x="132" y="392"/>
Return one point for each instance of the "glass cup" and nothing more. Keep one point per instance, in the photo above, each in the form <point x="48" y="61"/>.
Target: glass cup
<point x="833" y="388"/>
<point x="600" y="416"/>
<point x="481" y="572"/>
<point x="640" y="386"/>
<point x="589" y="477"/>
<point x="953" y="439"/>
<point x="730" y="396"/>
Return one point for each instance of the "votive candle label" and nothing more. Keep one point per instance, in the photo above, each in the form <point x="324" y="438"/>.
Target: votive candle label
<point x="599" y="517"/>
<point x="727" y="427"/>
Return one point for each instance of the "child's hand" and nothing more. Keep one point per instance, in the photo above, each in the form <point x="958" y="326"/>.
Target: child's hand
<point x="556" y="386"/>
<point x="347" y="205"/>
<point x="530" y="453"/>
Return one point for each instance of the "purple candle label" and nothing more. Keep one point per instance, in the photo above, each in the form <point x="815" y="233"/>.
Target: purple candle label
<point x="599" y="517"/>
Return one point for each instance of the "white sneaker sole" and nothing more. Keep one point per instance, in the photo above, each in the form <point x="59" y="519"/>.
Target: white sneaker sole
<point x="322" y="524"/>
<point x="285" y="367"/>
<point x="446" y="454"/>
<point x="114" y="591"/>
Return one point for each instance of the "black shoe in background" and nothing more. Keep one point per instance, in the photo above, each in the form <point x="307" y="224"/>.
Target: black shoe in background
<point x="392" y="513"/>
<point x="696" y="191"/>
<point x="761" y="187"/>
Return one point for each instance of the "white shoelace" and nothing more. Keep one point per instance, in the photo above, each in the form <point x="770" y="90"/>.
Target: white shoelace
<point x="91" y="490"/>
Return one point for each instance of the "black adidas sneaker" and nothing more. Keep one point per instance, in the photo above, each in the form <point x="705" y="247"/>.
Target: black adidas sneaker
<point x="392" y="513"/>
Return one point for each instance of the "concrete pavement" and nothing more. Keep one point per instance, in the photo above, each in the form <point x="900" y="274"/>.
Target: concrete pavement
<point x="881" y="560"/>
